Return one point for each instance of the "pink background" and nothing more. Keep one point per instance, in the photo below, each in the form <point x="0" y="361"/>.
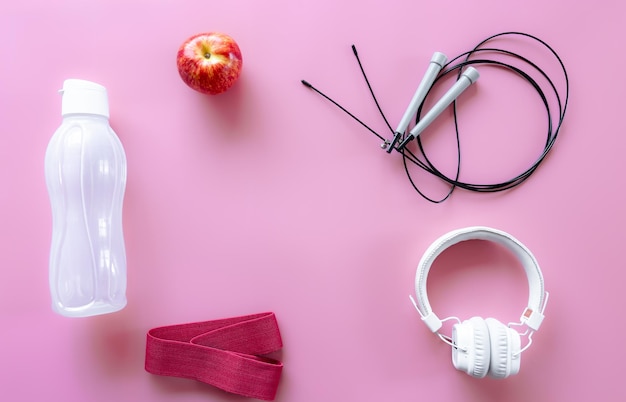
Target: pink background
<point x="267" y="198"/>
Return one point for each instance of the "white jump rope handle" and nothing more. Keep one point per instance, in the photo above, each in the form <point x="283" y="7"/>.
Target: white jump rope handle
<point x="436" y="64"/>
<point x="466" y="79"/>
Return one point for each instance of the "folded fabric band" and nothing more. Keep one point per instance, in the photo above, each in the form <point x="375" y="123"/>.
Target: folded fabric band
<point x="226" y="353"/>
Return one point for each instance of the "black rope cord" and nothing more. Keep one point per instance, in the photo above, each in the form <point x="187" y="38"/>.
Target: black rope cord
<point x="477" y="56"/>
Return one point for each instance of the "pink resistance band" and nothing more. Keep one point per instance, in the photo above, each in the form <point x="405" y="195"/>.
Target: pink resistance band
<point x="225" y="353"/>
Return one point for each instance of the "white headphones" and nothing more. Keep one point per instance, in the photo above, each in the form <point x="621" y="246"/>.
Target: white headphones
<point x="484" y="346"/>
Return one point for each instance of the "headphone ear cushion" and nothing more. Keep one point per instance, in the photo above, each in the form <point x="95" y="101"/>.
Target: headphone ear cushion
<point x="471" y="353"/>
<point x="505" y="346"/>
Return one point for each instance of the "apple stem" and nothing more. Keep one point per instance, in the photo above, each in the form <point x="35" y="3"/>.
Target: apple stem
<point x="207" y="55"/>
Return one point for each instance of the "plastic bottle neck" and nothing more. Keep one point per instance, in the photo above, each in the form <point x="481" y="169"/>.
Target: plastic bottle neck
<point x="90" y="116"/>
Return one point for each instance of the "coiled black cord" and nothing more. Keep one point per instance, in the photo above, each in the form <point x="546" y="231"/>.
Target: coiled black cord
<point x="477" y="56"/>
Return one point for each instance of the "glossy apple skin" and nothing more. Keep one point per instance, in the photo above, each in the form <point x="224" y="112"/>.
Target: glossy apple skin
<point x="209" y="62"/>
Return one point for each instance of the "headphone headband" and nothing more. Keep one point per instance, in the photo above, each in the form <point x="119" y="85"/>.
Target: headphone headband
<point x="532" y="315"/>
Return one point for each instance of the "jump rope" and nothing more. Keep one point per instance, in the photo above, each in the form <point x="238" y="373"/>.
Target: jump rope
<point x="463" y="66"/>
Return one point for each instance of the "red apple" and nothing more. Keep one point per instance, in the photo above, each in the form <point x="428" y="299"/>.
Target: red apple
<point x="209" y="62"/>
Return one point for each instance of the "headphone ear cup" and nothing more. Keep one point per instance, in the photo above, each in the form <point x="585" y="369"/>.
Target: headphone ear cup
<point x="471" y="352"/>
<point x="505" y="347"/>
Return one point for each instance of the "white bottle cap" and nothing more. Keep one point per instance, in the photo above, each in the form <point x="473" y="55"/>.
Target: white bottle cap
<point x="80" y="96"/>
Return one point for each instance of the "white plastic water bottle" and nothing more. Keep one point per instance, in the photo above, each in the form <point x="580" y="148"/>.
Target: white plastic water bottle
<point x="86" y="177"/>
